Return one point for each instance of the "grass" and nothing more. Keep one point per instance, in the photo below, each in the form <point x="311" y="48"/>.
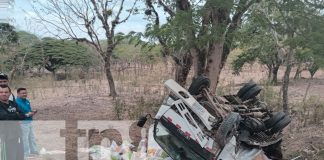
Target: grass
<point x="138" y="81"/>
<point x="141" y="91"/>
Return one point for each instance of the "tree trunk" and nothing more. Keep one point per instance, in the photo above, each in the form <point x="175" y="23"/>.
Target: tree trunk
<point x="313" y="70"/>
<point x="214" y="65"/>
<point x="275" y="75"/>
<point x="285" y="85"/>
<point x="298" y="71"/>
<point x="195" y="61"/>
<point x="269" y="73"/>
<point x="312" y="75"/>
<point x="198" y="61"/>
<point x="110" y="79"/>
<point x="183" y="69"/>
<point x="12" y="73"/>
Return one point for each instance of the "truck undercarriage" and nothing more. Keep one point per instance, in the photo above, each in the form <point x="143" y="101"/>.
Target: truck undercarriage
<point x="195" y="124"/>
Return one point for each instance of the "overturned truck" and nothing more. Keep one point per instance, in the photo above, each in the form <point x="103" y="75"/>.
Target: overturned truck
<point x="194" y="124"/>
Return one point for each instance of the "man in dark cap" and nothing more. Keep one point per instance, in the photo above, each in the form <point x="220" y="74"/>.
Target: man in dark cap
<point x="4" y="80"/>
<point x="10" y="131"/>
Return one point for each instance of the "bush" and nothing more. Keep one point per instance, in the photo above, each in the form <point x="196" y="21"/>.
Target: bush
<point x="312" y="110"/>
<point x="119" y="108"/>
<point x="270" y="96"/>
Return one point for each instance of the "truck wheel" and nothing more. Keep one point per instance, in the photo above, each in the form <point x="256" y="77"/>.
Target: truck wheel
<point x="251" y="93"/>
<point x="198" y="84"/>
<point x="246" y="88"/>
<point x="253" y="125"/>
<point x="274" y="119"/>
<point x="281" y="124"/>
<point x="227" y="129"/>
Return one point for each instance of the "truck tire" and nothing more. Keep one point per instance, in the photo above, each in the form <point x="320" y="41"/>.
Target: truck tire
<point x="274" y="119"/>
<point x="280" y="125"/>
<point x="253" y="125"/>
<point x="251" y="93"/>
<point x="198" y="84"/>
<point x="246" y="88"/>
<point x="227" y="129"/>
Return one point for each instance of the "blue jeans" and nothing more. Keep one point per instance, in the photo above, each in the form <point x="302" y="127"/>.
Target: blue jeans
<point x="28" y="139"/>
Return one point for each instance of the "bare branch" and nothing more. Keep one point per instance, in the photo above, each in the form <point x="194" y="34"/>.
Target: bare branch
<point x="157" y="24"/>
<point x="42" y="20"/>
<point x="103" y="18"/>
<point x="243" y="6"/>
<point x="118" y="13"/>
<point x="117" y="21"/>
<point x="79" y="14"/>
<point x="55" y="13"/>
<point x="74" y="9"/>
<point x="88" y="23"/>
<point x="66" y="21"/>
<point x="157" y="18"/>
<point x="166" y="8"/>
<point x="63" y="18"/>
<point x="129" y="14"/>
<point x="106" y="5"/>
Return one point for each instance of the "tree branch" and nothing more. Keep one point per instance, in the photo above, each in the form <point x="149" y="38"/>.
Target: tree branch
<point x="243" y="6"/>
<point x="103" y="18"/>
<point x="166" y="8"/>
<point x="157" y="18"/>
<point x="130" y="12"/>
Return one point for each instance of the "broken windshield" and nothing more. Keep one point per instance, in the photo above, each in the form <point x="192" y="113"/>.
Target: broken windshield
<point x="176" y="148"/>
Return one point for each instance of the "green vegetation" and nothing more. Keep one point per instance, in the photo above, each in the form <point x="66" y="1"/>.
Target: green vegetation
<point x="275" y="28"/>
<point x="51" y="54"/>
<point x="131" y="51"/>
<point x="8" y="36"/>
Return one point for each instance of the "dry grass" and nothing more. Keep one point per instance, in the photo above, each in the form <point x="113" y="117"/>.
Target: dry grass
<point x="140" y="80"/>
<point x="141" y="90"/>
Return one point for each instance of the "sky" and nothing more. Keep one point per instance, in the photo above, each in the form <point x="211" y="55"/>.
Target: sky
<point x="24" y="19"/>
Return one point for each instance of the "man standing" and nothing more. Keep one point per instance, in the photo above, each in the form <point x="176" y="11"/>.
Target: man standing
<point x="26" y="125"/>
<point x="10" y="131"/>
<point x="4" y="80"/>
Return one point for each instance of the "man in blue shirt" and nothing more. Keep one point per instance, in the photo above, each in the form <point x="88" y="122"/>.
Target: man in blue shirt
<point x="30" y="147"/>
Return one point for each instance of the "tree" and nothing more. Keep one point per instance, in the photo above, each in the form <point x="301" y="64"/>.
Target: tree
<point x="289" y="24"/>
<point x="305" y="60"/>
<point x="11" y="41"/>
<point x="17" y="61"/>
<point x="8" y="36"/>
<point x="281" y="29"/>
<point x="257" y="43"/>
<point x="8" y="42"/>
<point x="26" y="38"/>
<point x="198" y="33"/>
<point x="91" y="17"/>
<point x="314" y="43"/>
<point x="53" y="54"/>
